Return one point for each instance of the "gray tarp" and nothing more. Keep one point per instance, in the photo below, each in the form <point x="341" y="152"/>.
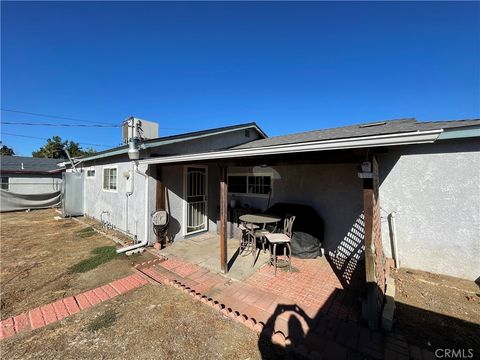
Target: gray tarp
<point x="11" y="201"/>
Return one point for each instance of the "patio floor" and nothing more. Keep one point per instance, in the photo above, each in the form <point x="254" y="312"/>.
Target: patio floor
<point x="310" y="301"/>
<point x="204" y="250"/>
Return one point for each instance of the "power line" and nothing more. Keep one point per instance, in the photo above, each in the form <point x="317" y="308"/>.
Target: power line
<point x="54" y="116"/>
<point x="58" y="125"/>
<point x="41" y="138"/>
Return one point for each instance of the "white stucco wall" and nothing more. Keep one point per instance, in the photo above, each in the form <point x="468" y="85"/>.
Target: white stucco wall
<point x="98" y="200"/>
<point x="435" y="192"/>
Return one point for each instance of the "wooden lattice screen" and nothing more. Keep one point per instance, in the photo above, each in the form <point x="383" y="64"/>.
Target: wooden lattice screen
<point x="374" y="256"/>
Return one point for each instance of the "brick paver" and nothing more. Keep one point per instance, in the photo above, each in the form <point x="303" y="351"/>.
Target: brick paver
<point x="60" y="309"/>
<point x="312" y="309"/>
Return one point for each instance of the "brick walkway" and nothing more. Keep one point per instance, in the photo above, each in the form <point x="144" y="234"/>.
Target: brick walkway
<point x="308" y="310"/>
<point x="58" y="310"/>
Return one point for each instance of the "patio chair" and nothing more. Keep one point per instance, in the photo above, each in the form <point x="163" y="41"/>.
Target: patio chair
<point x="283" y="239"/>
<point x="246" y="243"/>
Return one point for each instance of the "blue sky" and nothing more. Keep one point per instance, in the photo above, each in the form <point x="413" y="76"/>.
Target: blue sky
<point x="290" y="67"/>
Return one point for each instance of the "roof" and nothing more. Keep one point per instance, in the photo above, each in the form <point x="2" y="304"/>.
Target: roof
<point x="152" y="143"/>
<point x="383" y="133"/>
<point x="366" y="129"/>
<point x="25" y="165"/>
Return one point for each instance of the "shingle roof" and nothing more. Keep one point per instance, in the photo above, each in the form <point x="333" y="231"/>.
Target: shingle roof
<point x="366" y="129"/>
<point x="180" y="137"/>
<point x="28" y="164"/>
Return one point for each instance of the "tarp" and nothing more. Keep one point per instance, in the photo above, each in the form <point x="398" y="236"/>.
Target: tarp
<point x="307" y="229"/>
<point x="12" y="201"/>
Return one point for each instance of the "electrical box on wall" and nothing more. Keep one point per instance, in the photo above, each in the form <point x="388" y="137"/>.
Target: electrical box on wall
<point x="129" y="181"/>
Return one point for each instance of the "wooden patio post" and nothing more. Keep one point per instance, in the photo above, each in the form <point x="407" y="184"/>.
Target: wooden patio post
<point x="223" y="218"/>
<point x="369" y="253"/>
<point x="375" y="265"/>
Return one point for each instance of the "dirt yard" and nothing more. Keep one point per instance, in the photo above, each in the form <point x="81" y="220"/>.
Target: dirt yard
<point x="41" y="260"/>
<point x="153" y="322"/>
<point x="437" y="311"/>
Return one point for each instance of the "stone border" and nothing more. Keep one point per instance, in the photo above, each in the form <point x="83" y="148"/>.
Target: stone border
<point x="60" y="309"/>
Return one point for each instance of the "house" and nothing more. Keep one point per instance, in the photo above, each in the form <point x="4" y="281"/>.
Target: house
<point x="413" y="181"/>
<point x="29" y="183"/>
<point x="122" y="195"/>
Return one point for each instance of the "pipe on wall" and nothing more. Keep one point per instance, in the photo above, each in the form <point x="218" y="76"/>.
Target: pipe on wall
<point x="144" y="242"/>
<point x="393" y="238"/>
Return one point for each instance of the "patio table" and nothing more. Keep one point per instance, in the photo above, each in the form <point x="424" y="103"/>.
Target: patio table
<point x="259" y="219"/>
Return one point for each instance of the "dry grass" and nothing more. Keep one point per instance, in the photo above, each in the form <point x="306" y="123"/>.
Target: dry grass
<point x="43" y="259"/>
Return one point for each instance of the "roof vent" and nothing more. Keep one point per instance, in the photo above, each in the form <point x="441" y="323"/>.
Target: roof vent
<point x="373" y="124"/>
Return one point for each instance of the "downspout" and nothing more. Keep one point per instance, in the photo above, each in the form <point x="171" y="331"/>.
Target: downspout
<point x="393" y="237"/>
<point x="128" y="194"/>
<point x="144" y="242"/>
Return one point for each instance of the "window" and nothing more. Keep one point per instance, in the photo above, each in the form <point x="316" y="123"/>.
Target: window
<point x="4" y="183"/>
<point x="90" y="173"/>
<point x="249" y="184"/>
<point x="110" y="179"/>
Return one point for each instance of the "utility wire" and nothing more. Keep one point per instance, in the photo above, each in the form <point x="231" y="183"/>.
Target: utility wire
<point x="58" y="125"/>
<point x="41" y="138"/>
<point x="83" y="126"/>
<point x="54" y="116"/>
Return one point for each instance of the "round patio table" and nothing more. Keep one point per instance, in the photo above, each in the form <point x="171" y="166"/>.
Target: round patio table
<point x="259" y="218"/>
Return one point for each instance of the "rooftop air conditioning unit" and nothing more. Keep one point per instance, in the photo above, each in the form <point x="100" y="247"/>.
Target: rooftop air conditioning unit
<point x="145" y="129"/>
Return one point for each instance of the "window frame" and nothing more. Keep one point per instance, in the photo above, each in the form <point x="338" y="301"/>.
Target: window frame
<point x="247" y="175"/>
<point x="116" y="178"/>
<point x="89" y="176"/>
<point x="5" y="183"/>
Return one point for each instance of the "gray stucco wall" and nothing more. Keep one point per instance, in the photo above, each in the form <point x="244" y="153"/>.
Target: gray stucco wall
<point x="116" y="203"/>
<point x="33" y="184"/>
<point x="435" y="192"/>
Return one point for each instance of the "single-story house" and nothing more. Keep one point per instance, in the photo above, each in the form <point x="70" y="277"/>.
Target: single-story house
<point x="423" y="177"/>
<point x="29" y="183"/>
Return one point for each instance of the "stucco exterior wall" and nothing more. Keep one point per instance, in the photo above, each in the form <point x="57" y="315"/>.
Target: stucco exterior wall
<point x="125" y="213"/>
<point x="435" y="192"/>
<point x="333" y="191"/>
<point x="33" y="184"/>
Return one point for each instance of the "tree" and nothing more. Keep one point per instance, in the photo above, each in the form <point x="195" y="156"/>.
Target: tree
<point x="5" y="150"/>
<point x="55" y="149"/>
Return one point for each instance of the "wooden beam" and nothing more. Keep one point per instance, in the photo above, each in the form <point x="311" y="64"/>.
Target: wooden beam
<point x="223" y="218"/>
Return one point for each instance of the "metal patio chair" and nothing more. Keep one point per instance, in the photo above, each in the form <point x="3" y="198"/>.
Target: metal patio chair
<point x="283" y="239"/>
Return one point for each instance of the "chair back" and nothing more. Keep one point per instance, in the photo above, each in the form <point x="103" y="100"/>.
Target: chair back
<point x="288" y="225"/>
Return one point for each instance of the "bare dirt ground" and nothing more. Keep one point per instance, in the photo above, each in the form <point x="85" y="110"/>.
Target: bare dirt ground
<point x="437" y="311"/>
<point x="153" y="322"/>
<point x="37" y="253"/>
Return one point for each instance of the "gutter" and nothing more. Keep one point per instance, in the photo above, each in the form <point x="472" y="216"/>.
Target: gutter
<point x="416" y="137"/>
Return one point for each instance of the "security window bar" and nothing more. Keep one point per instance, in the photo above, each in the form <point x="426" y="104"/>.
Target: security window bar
<point x="110" y="179"/>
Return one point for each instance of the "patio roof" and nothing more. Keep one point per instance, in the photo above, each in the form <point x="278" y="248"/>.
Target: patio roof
<point x="406" y="138"/>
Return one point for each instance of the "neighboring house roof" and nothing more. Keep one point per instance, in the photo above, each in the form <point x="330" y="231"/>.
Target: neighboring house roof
<point x="29" y="165"/>
<point x="166" y="140"/>
<point x="384" y="133"/>
<point x="366" y="129"/>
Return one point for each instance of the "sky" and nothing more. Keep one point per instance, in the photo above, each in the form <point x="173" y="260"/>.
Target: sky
<point x="290" y="67"/>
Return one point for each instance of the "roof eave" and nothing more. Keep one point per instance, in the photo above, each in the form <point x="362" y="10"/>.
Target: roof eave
<point x="408" y="138"/>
